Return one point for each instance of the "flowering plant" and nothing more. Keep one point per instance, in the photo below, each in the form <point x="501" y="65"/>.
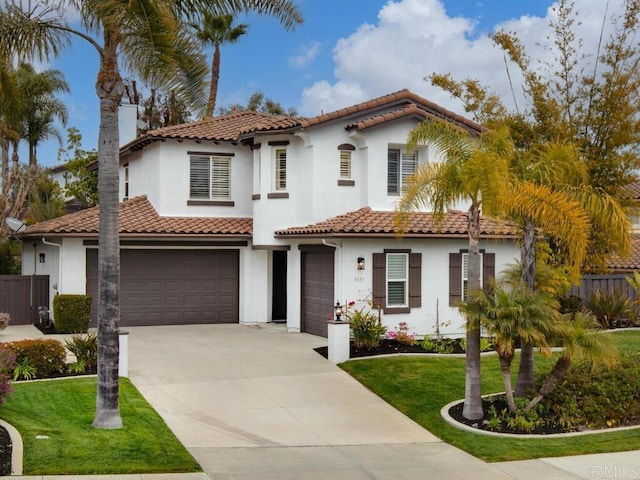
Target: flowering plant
<point x="402" y="335"/>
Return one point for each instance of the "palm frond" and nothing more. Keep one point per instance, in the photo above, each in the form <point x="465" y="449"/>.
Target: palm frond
<point x="39" y="33"/>
<point x="558" y="216"/>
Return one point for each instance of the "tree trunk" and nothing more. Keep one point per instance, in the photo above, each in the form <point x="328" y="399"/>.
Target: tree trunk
<point x="472" y="409"/>
<point x="505" y="367"/>
<point x="559" y="371"/>
<point x="110" y="90"/>
<point x="526" y="382"/>
<point x="215" y="77"/>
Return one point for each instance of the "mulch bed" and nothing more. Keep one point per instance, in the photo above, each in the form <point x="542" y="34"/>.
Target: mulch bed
<point x="5" y="452"/>
<point x="387" y="347"/>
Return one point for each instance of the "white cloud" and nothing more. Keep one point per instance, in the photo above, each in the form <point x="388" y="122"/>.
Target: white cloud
<point x="415" y="38"/>
<point x="307" y="55"/>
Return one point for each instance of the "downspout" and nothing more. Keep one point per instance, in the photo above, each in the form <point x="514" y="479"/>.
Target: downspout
<point x="339" y="248"/>
<point x="44" y="240"/>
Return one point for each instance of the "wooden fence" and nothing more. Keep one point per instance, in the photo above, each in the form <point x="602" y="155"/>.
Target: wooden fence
<point x="606" y="283"/>
<point x="21" y="295"/>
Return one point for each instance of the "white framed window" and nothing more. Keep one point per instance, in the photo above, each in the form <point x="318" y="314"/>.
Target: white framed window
<point x="397" y="279"/>
<point x="345" y="164"/>
<point x="210" y="178"/>
<point x="126" y="181"/>
<point x="400" y="166"/>
<point x="465" y="274"/>
<point x="281" y="169"/>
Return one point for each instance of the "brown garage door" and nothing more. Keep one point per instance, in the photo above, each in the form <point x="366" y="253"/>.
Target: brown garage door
<point x="317" y="290"/>
<point x="172" y="287"/>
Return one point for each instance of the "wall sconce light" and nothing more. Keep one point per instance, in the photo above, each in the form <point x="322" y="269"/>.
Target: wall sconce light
<point x="337" y="309"/>
<point x="360" y="263"/>
<point x="42" y="257"/>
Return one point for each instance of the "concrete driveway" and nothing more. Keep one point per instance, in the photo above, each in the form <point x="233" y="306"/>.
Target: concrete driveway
<point x="259" y="403"/>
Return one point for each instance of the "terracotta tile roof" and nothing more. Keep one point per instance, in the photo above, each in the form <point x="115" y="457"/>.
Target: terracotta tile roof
<point x="392" y="106"/>
<point x="632" y="262"/>
<point x="138" y="217"/>
<point x="634" y="190"/>
<point x="240" y="125"/>
<point x="223" y="128"/>
<point x="367" y="222"/>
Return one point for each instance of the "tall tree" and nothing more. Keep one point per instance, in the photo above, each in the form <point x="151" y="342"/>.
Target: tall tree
<point x="473" y="170"/>
<point x="149" y="38"/>
<point x="216" y="30"/>
<point x="82" y="181"/>
<point x="40" y="106"/>
<point x="579" y="135"/>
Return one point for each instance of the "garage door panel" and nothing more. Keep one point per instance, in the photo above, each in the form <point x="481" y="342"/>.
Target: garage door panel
<point x="318" y="291"/>
<point x="165" y="287"/>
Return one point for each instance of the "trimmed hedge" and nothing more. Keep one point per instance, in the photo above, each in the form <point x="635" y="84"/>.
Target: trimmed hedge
<point x="48" y="357"/>
<point x="72" y="313"/>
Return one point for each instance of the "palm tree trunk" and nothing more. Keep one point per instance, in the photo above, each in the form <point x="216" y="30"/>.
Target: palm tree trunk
<point x="505" y="367"/>
<point x="526" y="382"/>
<point x="472" y="409"/>
<point x="215" y="77"/>
<point x="110" y="90"/>
<point x="559" y="371"/>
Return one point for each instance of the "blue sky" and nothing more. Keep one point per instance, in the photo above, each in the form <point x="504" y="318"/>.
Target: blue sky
<point x="347" y="51"/>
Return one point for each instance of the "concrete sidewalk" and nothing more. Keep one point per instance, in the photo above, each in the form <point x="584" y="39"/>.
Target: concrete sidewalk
<point x="257" y="403"/>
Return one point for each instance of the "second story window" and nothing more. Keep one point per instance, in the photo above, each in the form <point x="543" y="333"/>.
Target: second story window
<point x="126" y="181"/>
<point x="345" y="164"/>
<point x="281" y="169"/>
<point x="400" y="166"/>
<point x="210" y="178"/>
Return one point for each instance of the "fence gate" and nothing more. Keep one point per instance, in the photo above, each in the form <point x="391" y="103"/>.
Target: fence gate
<point x="20" y="296"/>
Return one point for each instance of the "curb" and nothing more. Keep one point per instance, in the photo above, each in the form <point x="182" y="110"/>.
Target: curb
<point x="444" y="413"/>
<point x="17" y="448"/>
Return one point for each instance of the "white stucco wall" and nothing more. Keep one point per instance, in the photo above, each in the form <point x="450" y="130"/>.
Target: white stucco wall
<point x="352" y="284"/>
<point x="161" y="171"/>
<point x="71" y="253"/>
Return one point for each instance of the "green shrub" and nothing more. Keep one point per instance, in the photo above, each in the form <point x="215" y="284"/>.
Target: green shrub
<point x="7" y="364"/>
<point x="72" y="313"/>
<point x="600" y="399"/>
<point x="570" y="304"/>
<point x="46" y="356"/>
<point x="24" y="370"/>
<point x="85" y="348"/>
<point x="485" y="344"/>
<point x="609" y="308"/>
<point x="367" y="330"/>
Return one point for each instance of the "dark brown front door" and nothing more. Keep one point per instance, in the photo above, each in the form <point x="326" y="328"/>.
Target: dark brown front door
<point x="172" y="287"/>
<point x="317" y="290"/>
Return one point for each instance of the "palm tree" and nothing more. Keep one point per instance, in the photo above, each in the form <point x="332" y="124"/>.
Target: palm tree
<point x="149" y="38"/>
<point x="216" y="30"/>
<point x="513" y="312"/>
<point x="551" y="193"/>
<point x="581" y="340"/>
<point x="40" y="106"/>
<point x="475" y="170"/>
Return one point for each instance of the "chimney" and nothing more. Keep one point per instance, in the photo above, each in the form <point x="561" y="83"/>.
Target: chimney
<point x="127" y="123"/>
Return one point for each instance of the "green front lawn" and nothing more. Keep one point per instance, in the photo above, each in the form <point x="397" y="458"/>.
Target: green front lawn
<point x="420" y="386"/>
<point x="63" y="410"/>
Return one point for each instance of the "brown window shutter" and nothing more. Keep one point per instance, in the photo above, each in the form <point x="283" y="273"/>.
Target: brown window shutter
<point x="379" y="280"/>
<point x="455" y="279"/>
<point x="415" y="280"/>
<point x="488" y="269"/>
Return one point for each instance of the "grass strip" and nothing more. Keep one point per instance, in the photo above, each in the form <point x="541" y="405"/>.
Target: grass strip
<point x="420" y="386"/>
<point x="62" y="411"/>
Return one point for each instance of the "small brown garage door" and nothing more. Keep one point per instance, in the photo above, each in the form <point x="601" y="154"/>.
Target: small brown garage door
<point x="172" y="287"/>
<point x="317" y="290"/>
